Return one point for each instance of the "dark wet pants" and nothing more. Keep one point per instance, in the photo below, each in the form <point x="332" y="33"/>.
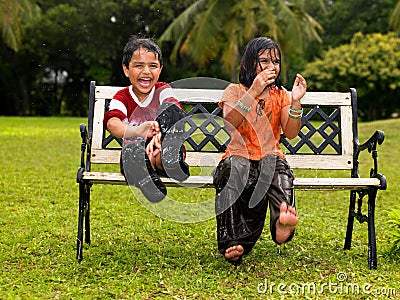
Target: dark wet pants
<point x="169" y="118"/>
<point x="243" y="190"/>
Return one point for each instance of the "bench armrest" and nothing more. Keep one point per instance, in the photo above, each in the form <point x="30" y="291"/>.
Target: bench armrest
<point x="82" y="129"/>
<point x="85" y="152"/>
<point x="376" y="139"/>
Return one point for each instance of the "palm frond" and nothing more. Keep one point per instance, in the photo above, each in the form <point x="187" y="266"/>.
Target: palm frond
<point x="206" y="38"/>
<point x="267" y="20"/>
<point x="14" y="15"/>
<point x="394" y="20"/>
<point x="181" y="25"/>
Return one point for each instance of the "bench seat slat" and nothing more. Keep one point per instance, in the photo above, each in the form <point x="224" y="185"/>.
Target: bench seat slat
<point x="210" y="159"/>
<point x="206" y="182"/>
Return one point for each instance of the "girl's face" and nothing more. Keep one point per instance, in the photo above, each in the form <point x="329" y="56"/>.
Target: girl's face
<point x="269" y="60"/>
<point x="143" y="73"/>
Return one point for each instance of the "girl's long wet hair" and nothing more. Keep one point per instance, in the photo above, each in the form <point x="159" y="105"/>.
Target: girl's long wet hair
<point x="250" y="60"/>
<point x="135" y="43"/>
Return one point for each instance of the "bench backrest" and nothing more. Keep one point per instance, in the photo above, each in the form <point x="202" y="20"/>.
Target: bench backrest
<point x="324" y="142"/>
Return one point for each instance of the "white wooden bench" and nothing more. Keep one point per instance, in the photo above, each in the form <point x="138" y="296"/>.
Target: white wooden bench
<point x="328" y="141"/>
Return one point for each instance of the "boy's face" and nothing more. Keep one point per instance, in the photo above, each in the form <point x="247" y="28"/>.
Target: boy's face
<point x="143" y="73"/>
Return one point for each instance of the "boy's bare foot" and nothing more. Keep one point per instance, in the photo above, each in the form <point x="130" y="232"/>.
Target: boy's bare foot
<point x="234" y="253"/>
<point x="286" y="223"/>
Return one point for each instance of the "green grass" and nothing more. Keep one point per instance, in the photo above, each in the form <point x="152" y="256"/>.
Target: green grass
<point x="137" y="255"/>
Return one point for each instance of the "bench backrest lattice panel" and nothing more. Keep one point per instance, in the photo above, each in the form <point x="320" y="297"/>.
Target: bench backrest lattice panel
<point x="317" y="140"/>
<point x="108" y="138"/>
<point x="205" y="130"/>
<point x="324" y="142"/>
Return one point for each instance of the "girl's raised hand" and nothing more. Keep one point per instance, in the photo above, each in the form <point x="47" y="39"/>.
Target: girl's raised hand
<point x="299" y="88"/>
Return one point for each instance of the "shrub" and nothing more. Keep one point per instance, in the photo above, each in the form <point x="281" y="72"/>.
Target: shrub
<point x="371" y="64"/>
<point x="394" y="220"/>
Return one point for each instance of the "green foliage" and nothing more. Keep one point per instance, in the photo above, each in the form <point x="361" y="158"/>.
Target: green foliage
<point x="341" y="19"/>
<point x="136" y="255"/>
<point x="394" y="219"/>
<point x="371" y="64"/>
<point x="14" y="16"/>
<point x="212" y="29"/>
<point x="366" y="16"/>
<point x="84" y="39"/>
<point x="395" y="18"/>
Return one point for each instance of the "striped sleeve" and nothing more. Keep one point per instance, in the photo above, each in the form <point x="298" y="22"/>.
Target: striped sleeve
<point x="167" y="94"/>
<point x="117" y="108"/>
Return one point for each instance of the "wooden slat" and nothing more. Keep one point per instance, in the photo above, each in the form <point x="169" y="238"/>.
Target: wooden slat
<point x="209" y="159"/>
<point x="192" y="95"/>
<point x="321" y="162"/>
<point x="106" y="92"/>
<point x="98" y="117"/>
<point x="203" y="159"/>
<point x="206" y="182"/>
<point x="104" y="177"/>
<point x="109" y="156"/>
<point x="346" y="129"/>
<point x="105" y="156"/>
<point x="198" y="95"/>
<point x="326" y="98"/>
<point x="117" y="178"/>
<point x="335" y="183"/>
<point x="209" y="95"/>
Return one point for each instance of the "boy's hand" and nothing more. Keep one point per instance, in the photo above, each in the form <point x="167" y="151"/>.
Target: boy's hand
<point x="153" y="148"/>
<point x="148" y="129"/>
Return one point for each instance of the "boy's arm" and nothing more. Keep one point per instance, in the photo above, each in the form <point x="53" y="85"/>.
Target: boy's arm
<point x="119" y="129"/>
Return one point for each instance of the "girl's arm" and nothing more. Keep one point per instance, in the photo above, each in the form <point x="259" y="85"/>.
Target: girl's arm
<point x="290" y="115"/>
<point x="235" y="112"/>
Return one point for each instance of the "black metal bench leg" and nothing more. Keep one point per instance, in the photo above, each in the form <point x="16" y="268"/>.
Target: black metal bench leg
<point x="87" y="215"/>
<point x="372" y="257"/>
<point x="81" y="208"/>
<point x="350" y="220"/>
<point x="83" y="217"/>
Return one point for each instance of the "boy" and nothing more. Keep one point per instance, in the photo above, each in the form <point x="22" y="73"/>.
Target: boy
<point x="146" y="115"/>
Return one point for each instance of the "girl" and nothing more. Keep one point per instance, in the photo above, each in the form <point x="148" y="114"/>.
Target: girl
<point x="253" y="172"/>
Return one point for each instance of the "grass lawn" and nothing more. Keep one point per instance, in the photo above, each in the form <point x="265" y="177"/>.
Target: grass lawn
<point x="138" y="255"/>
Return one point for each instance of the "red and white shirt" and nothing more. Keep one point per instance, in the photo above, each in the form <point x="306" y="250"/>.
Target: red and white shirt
<point x="126" y="106"/>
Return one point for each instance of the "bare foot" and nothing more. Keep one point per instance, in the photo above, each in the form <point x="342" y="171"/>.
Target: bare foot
<point x="286" y="223"/>
<point x="234" y="253"/>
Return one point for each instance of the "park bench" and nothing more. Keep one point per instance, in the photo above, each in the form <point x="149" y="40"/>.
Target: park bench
<point x="328" y="141"/>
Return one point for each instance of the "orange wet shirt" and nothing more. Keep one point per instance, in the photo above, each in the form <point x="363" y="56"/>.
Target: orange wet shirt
<point x="258" y="135"/>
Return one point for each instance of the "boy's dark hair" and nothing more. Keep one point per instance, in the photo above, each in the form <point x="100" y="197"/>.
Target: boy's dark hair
<point x="135" y="43"/>
<point x="250" y="61"/>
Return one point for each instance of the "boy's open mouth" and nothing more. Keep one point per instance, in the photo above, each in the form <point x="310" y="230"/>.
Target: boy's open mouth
<point x="144" y="82"/>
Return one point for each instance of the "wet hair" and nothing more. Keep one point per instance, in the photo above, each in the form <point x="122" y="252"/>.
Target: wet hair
<point x="135" y="43"/>
<point x="250" y="60"/>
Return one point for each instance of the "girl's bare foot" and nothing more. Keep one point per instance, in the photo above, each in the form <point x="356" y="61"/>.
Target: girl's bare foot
<point x="286" y="223"/>
<point x="234" y="253"/>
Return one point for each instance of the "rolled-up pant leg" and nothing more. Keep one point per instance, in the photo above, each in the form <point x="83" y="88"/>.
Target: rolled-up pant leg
<point x="281" y="189"/>
<point x="171" y="121"/>
<point x="237" y="223"/>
